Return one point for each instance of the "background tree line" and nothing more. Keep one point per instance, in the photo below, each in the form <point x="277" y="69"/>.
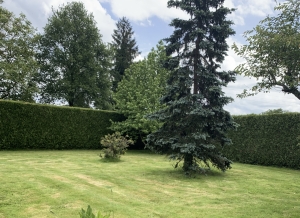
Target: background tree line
<point x="67" y="63"/>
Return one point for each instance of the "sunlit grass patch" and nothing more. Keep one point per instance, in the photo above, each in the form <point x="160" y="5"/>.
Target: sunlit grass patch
<point x="141" y="184"/>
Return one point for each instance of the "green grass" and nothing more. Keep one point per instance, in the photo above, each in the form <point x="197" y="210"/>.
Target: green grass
<point x="59" y="183"/>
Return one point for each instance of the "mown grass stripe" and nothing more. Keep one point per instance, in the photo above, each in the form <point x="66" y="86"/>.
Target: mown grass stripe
<point x="60" y="183"/>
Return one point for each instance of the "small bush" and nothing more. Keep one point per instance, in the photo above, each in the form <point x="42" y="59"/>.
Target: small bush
<point x="89" y="214"/>
<point x="115" y="145"/>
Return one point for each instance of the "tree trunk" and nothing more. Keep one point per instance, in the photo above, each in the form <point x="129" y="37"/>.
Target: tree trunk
<point x="196" y="57"/>
<point x="71" y="102"/>
<point x="289" y="90"/>
<point x="187" y="162"/>
<point x="296" y="93"/>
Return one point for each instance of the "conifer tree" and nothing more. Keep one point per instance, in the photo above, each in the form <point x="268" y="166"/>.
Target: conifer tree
<point x="195" y="123"/>
<point x="125" y="49"/>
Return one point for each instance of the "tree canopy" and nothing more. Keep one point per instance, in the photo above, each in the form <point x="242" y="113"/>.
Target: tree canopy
<point x="17" y="63"/>
<point x="73" y="59"/>
<point x="138" y="94"/>
<point x="273" y="51"/>
<point x="125" y="49"/>
<point x="194" y="121"/>
<point x="275" y="111"/>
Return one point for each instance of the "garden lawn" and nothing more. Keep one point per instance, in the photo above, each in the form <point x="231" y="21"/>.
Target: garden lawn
<point x="59" y="183"/>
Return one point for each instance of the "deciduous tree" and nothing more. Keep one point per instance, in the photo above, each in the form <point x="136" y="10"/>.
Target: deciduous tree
<point x="139" y="92"/>
<point x="73" y="59"/>
<point x="17" y="63"/>
<point x="273" y="51"/>
<point x="275" y="111"/>
<point x="194" y="121"/>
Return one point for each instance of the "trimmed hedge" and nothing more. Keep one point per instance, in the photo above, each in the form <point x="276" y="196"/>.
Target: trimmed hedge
<point x="260" y="139"/>
<point x="35" y="126"/>
<point x="266" y="140"/>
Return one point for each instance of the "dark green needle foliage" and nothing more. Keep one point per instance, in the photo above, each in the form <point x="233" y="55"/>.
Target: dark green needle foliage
<point x="125" y="49"/>
<point x="195" y="123"/>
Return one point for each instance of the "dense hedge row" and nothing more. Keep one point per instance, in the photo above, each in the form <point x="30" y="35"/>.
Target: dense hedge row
<point x="266" y="140"/>
<point x="260" y="139"/>
<point x="34" y="126"/>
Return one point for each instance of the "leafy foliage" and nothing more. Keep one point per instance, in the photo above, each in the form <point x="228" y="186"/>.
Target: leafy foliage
<point x="17" y="63"/>
<point x="139" y="92"/>
<point x="73" y="58"/>
<point x="115" y="145"/>
<point x="272" y="53"/>
<point x="266" y="140"/>
<point x="36" y="126"/>
<point x="194" y="122"/>
<point x="274" y="111"/>
<point x="125" y="49"/>
<point x="298" y="139"/>
<point x="89" y="214"/>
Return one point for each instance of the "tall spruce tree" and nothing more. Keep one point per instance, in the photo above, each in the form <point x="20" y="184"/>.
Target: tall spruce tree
<point x="125" y="49"/>
<point x="195" y="123"/>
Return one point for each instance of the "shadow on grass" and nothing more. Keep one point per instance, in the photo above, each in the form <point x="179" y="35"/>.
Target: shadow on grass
<point x="179" y="174"/>
<point x="110" y="160"/>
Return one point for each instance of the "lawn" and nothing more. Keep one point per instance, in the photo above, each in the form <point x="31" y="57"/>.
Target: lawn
<point x="59" y="183"/>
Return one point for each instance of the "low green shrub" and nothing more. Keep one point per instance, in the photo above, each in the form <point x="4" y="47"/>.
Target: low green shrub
<point x="115" y="145"/>
<point x="269" y="140"/>
<point x="89" y="214"/>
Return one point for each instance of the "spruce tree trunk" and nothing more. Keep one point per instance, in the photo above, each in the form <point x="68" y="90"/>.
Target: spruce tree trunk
<point x="187" y="162"/>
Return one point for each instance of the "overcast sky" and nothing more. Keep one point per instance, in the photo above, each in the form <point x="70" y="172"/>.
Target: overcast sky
<point x="150" y="21"/>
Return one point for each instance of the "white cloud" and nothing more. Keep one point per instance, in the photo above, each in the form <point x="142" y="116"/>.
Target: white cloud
<point x="259" y="8"/>
<point x="139" y="10"/>
<point x="232" y="60"/>
<point x="235" y="16"/>
<point x="147" y="22"/>
<point x="140" y="57"/>
<point x="38" y="11"/>
<point x="263" y="102"/>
